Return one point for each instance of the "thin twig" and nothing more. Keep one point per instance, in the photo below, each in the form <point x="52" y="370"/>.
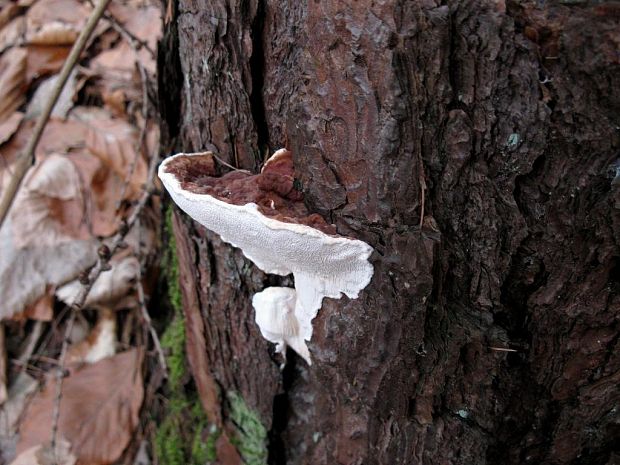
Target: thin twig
<point x="229" y="165"/>
<point x="135" y="42"/>
<point x="143" y="310"/>
<point x="26" y="158"/>
<point x="149" y="323"/>
<point x="33" y="338"/>
<point x="60" y="375"/>
<point x="502" y="349"/>
<point x="105" y="253"/>
<point x="3" y="367"/>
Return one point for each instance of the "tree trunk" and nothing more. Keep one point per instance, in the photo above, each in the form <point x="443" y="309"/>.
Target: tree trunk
<point x="475" y="146"/>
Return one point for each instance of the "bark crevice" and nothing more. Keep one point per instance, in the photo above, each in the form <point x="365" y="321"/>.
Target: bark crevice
<point x="257" y="71"/>
<point x="281" y="410"/>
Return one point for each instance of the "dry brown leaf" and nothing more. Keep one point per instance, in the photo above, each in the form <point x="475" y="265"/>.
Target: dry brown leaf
<point x="41" y="310"/>
<point x="117" y="66"/>
<point x="26" y="273"/>
<point x="111" y="287"/>
<point x="9" y="126"/>
<point x="115" y="99"/>
<point x="55" y="22"/>
<point x="44" y="60"/>
<point x="12" y="81"/>
<point x="44" y="455"/>
<point x="145" y="23"/>
<point x="98" y="344"/>
<point x="49" y="208"/>
<point x="98" y="412"/>
<point x="98" y="177"/>
<point x="114" y="141"/>
<point x="20" y="390"/>
<point x="8" y="11"/>
<point x="45" y="240"/>
<point x="59" y="136"/>
<point x="13" y="33"/>
<point x="65" y="100"/>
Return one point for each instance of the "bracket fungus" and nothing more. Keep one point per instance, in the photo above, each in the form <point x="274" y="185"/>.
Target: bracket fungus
<point x="264" y="215"/>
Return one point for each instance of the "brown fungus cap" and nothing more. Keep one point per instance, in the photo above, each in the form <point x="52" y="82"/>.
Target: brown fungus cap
<point x="273" y="190"/>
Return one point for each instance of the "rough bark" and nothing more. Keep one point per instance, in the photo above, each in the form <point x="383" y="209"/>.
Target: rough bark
<point x="499" y="123"/>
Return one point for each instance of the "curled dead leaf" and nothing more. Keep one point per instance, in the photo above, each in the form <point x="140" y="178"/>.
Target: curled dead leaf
<point x="9" y="126"/>
<point x="45" y="59"/>
<point x="12" y="81"/>
<point x="111" y="287"/>
<point x="98" y="412"/>
<point x="55" y="22"/>
<point x="41" y="310"/>
<point x="13" y="33"/>
<point x="98" y="344"/>
<point x="20" y="390"/>
<point x="65" y="99"/>
<point x="145" y="24"/>
<point x="49" y="208"/>
<point x="114" y="141"/>
<point x="8" y="10"/>
<point x="26" y="273"/>
<point x="43" y="454"/>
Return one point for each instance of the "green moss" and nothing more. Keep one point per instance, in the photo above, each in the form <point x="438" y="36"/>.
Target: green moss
<point x="184" y="436"/>
<point x="169" y="442"/>
<point x="210" y="445"/>
<point x="173" y="339"/>
<point x="251" y="439"/>
<point x="204" y="451"/>
<point x="170" y="264"/>
<point x="173" y="343"/>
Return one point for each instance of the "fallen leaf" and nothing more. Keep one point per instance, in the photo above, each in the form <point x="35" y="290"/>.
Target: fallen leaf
<point x="44" y="60"/>
<point x="43" y="242"/>
<point x="25" y="273"/>
<point x="12" y="81"/>
<point x="49" y="208"/>
<point x="98" y="413"/>
<point x="9" y="126"/>
<point x="55" y="22"/>
<point x="119" y="79"/>
<point x="44" y="91"/>
<point x="98" y="344"/>
<point x="8" y="11"/>
<point x="143" y="23"/>
<point x="114" y="141"/>
<point x="110" y="287"/>
<point x="142" y="456"/>
<point x="19" y="392"/>
<point x="13" y="33"/>
<point x="41" y="310"/>
<point x="44" y="455"/>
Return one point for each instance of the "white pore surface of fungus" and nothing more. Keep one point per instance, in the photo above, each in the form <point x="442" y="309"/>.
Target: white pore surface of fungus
<point x="322" y="265"/>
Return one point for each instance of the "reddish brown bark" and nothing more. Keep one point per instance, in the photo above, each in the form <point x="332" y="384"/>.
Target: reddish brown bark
<point x="501" y="119"/>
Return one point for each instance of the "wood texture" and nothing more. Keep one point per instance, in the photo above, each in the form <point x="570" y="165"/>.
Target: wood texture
<point x="502" y="119"/>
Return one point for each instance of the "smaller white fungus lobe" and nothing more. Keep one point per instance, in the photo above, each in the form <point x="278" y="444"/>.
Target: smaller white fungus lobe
<point x="323" y="265"/>
<point x="276" y="319"/>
